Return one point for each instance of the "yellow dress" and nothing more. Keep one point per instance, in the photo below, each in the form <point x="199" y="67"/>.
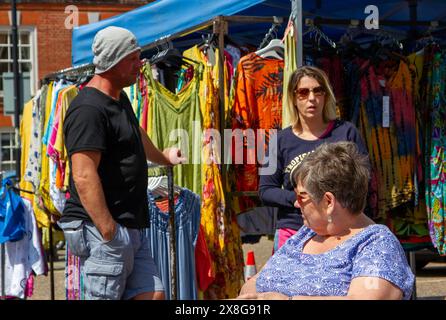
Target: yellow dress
<point x="221" y="233"/>
<point x="42" y="218"/>
<point x="25" y="134"/>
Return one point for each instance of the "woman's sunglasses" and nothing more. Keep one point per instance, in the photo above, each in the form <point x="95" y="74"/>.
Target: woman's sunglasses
<point x="303" y="93"/>
<point x="302" y="197"/>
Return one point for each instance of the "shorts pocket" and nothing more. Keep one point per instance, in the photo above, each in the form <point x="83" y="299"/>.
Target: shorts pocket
<point x="104" y="281"/>
<point x="115" y="236"/>
<point x="92" y="229"/>
<point x="74" y="236"/>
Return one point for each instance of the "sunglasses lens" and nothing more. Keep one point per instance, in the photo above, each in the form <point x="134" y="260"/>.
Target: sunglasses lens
<point x="303" y="93"/>
<point x="318" y="91"/>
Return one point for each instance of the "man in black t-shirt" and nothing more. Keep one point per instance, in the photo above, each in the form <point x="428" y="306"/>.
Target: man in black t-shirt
<point x="104" y="218"/>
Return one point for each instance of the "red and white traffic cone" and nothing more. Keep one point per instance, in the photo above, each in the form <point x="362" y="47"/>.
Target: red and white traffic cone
<point x="250" y="267"/>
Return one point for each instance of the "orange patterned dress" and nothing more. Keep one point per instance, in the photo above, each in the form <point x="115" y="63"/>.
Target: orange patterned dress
<point x="257" y="105"/>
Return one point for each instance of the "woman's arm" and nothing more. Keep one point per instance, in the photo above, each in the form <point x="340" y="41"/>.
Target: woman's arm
<point x="270" y="185"/>
<point x="365" y="288"/>
<point x="250" y="286"/>
<point x="373" y="288"/>
<point x="272" y="194"/>
<point x="361" y="288"/>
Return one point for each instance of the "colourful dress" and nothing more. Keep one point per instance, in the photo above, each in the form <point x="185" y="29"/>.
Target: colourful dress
<point x="257" y="105"/>
<point x="221" y="234"/>
<point x="436" y="152"/>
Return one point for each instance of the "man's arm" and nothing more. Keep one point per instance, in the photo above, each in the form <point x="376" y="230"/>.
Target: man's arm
<point x="170" y="156"/>
<point x="84" y="166"/>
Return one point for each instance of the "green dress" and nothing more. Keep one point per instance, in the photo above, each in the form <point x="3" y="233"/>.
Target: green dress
<point x="176" y="121"/>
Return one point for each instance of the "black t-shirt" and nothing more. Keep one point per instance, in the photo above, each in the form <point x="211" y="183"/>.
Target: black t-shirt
<point x="97" y="122"/>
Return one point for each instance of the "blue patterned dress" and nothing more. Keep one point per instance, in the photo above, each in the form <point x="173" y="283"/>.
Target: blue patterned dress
<point x="373" y="252"/>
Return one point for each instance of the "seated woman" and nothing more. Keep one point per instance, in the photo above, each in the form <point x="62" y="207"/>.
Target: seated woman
<point x="339" y="253"/>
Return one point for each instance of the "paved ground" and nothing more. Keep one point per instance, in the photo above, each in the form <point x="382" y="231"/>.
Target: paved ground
<point x="430" y="281"/>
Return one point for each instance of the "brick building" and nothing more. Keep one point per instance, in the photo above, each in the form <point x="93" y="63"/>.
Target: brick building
<point x="45" y="28"/>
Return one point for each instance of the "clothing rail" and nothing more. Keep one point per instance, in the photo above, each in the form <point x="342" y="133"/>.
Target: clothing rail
<point x="172" y="233"/>
<point x="72" y="70"/>
<point x="390" y="23"/>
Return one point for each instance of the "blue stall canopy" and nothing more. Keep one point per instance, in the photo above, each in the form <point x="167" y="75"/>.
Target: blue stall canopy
<point x="156" y="20"/>
<point x="163" y="18"/>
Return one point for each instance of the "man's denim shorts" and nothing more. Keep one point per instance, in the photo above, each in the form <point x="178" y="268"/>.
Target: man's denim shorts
<point x="117" y="269"/>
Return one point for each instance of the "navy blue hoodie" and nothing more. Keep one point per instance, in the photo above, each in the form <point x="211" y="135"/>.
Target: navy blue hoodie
<point x="291" y="150"/>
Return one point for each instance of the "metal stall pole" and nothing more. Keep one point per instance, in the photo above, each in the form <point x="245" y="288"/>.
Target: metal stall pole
<point x="17" y="96"/>
<point x="51" y="256"/>
<point x="3" y="293"/>
<point x="296" y="12"/>
<point x="3" y="272"/>
<point x="413" y="266"/>
<point x="172" y="238"/>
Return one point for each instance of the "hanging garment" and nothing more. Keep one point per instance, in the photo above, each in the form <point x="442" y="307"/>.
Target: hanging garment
<point x="216" y="217"/>
<point x="57" y="88"/>
<point x="436" y="153"/>
<point x="44" y="187"/>
<point x="56" y="147"/>
<point x="12" y="211"/>
<point x="58" y="156"/>
<point x="203" y="263"/>
<point x="23" y="257"/>
<point x="417" y="60"/>
<point x="187" y="222"/>
<point x="176" y="121"/>
<point x="74" y="277"/>
<point x="25" y="140"/>
<point x="257" y="105"/>
<point x="390" y="135"/>
<point x="290" y="65"/>
<point x="32" y="169"/>
<point x="235" y="53"/>
<point x="259" y="221"/>
<point x="332" y="66"/>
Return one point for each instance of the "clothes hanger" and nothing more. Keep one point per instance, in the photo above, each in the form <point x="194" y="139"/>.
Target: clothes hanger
<point x="158" y="185"/>
<point x="274" y="49"/>
<point x="172" y="57"/>
<point x="208" y="46"/>
<point x="317" y="35"/>
<point x="153" y="182"/>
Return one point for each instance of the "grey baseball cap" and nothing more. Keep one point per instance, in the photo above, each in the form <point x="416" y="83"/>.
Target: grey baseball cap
<point x="111" y="45"/>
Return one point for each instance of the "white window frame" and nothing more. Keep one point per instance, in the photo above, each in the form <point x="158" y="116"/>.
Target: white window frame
<point x="11" y="147"/>
<point x="33" y="54"/>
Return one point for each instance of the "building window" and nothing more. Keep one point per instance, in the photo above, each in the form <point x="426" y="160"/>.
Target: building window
<point x="26" y="53"/>
<point x="7" y="156"/>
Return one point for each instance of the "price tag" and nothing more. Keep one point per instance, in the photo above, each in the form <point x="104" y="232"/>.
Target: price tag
<point x="386" y="111"/>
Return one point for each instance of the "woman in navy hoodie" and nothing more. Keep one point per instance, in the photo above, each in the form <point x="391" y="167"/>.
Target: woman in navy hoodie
<point x="313" y="111"/>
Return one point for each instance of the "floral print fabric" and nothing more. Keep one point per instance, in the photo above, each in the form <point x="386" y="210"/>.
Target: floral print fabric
<point x="373" y="252"/>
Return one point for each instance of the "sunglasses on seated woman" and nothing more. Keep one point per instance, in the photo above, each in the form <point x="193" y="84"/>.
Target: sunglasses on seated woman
<point x="303" y="93"/>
